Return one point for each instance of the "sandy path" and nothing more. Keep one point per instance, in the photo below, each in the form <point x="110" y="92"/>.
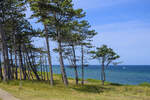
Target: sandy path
<point x="6" y="96"/>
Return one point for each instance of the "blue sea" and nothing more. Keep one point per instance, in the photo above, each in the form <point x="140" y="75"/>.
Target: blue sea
<point x="122" y="74"/>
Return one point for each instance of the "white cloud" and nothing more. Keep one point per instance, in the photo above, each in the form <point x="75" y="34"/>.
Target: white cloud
<point x="130" y="39"/>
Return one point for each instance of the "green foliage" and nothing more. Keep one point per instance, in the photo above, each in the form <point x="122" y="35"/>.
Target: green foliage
<point x="14" y="23"/>
<point x="105" y="53"/>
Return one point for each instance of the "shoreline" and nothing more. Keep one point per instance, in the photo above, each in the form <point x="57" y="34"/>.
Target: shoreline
<point x="95" y="80"/>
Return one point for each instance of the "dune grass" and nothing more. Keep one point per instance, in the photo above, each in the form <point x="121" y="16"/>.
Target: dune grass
<point x="93" y="90"/>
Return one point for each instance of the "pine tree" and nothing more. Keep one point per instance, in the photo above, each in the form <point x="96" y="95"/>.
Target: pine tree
<point x="42" y="10"/>
<point x="106" y="56"/>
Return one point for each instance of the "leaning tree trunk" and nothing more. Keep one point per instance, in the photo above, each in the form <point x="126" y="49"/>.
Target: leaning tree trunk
<point x="64" y="76"/>
<point x="26" y="66"/>
<point x="15" y="49"/>
<point x="1" y="74"/>
<point x="4" y="51"/>
<point x="21" y="64"/>
<point x="41" y="67"/>
<point x="75" y="66"/>
<point x="12" y="65"/>
<point x="44" y="68"/>
<point x="16" y="66"/>
<point x="82" y="64"/>
<point x="49" y="57"/>
<point x="31" y="65"/>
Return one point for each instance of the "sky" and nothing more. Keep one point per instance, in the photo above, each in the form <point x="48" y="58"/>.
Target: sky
<point x="123" y="25"/>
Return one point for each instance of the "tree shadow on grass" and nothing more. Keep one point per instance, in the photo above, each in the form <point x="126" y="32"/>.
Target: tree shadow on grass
<point x="58" y="82"/>
<point x="116" y="84"/>
<point x="91" y="89"/>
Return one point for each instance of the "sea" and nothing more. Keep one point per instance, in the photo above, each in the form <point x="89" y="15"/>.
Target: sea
<point x="121" y="74"/>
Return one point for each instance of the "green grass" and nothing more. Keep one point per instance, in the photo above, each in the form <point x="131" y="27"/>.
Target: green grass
<point x="93" y="90"/>
<point x="145" y="84"/>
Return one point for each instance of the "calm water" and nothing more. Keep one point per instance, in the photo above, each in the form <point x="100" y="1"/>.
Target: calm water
<point x="124" y="74"/>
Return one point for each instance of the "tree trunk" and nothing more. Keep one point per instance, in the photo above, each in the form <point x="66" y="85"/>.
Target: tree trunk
<point x="44" y="72"/>
<point x="20" y="67"/>
<point x="28" y="68"/>
<point x="16" y="65"/>
<point x="21" y="64"/>
<point x="76" y="75"/>
<point x="32" y="67"/>
<point x="12" y="65"/>
<point x="64" y="76"/>
<point x="46" y="69"/>
<point x="41" y="66"/>
<point x="82" y="64"/>
<point x="25" y="66"/>
<point x="49" y="57"/>
<point x="75" y="66"/>
<point x="1" y="74"/>
<point x="103" y="72"/>
<point x="4" y="51"/>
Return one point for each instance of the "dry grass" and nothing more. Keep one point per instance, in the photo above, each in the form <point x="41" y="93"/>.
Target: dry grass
<point x="93" y="90"/>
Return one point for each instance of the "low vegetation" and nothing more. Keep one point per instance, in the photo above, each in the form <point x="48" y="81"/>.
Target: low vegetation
<point x="92" y="90"/>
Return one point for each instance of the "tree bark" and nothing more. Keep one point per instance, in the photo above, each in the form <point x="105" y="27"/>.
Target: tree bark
<point x="41" y="66"/>
<point x="103" y="72"/>
<point x="4" y="51"/>
<point x="82" y="64"/>
<point x="46" y="69"/>
<point x="20" y="68"/>
<point x="12" y="65"/>
<point x="16" y="65"/>
<point x="28" y="68"/>
<point x="49" y="57"/>
<point x="25" y="66"/>
<point x="32" y="67"/>
<point x="64" y="76"/>
<point x="21" y="64"/>
<point x="75" y="66"/>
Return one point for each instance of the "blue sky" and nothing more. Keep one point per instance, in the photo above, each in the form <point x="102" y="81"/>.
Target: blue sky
<point x="123" y="25"/>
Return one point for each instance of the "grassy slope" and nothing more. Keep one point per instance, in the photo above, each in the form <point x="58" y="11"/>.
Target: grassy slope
<point x="93" y="90"/>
